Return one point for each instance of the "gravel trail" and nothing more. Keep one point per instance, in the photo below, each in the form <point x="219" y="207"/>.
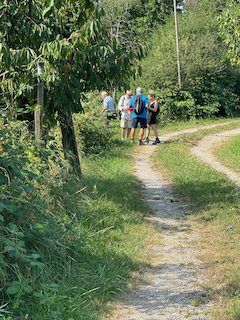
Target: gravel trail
<point x="204" y="151"/>
<point x="176" y="289"/>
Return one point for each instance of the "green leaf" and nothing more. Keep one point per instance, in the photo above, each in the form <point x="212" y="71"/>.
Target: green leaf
<point x="27" y="290"/>
<point x="13" y="227"/>
<point x="35" y="255"/>
<point x="17" y="254"/>
<point x="48" y="8"/>
<point x="2" y="206"/>
<point x="38" y="294"/>
<point x="9" y="248"/>
<point x="12" y="290"/>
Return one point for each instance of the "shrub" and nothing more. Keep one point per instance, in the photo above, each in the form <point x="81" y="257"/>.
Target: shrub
<point x="175" y="104"/>
<point x="91" y="135"/>
<point x="33" y="239"/>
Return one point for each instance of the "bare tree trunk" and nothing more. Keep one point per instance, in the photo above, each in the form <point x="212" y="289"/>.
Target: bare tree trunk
<point x="69" y="140"/>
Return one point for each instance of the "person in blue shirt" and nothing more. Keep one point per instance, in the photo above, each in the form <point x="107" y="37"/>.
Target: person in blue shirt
<point x="109" y="108"/>
<point x="139" y="118"/>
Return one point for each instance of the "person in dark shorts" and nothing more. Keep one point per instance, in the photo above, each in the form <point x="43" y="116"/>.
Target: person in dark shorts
<point x="139" y="118"/>
<point x="152" y="117"/>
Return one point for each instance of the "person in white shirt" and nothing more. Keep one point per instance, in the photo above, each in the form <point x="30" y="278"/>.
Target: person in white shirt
<point x="126" y="113"/>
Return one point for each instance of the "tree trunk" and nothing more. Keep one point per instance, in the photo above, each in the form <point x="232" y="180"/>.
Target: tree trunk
<point x="69" y="140"/>
<point x="114" y="94"/>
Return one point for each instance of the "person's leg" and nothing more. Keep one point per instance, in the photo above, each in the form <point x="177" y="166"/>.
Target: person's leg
<point x="106" y="123"/>
<point x="123" y="131"/>
<point x="141" y="133"/>
<point x="133" y="133"/>
<point x="156" y="134"/>
<point x="147" y="131"/>
<point x="134" y="126"/>
<point x="128" y="132"/>
<point x="123" y="126"/>
<point x="107" y="119"/>
<point x="147" y="134"/>
<point x="143" y="126"/>
<point x="154" y="130"/>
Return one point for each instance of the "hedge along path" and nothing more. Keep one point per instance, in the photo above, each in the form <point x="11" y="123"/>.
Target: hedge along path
<point x="176" y="276"/>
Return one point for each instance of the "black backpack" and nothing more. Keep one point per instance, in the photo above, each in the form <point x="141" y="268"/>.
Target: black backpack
<point x="138" y="105"/>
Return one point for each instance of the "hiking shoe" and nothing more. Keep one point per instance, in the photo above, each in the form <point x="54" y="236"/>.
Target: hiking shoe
<point x="156" y="141"/>
<point x="132" y="140"/>
<point x="122" y="139"/>
<point x="146" y="140"/>
<point x="140" y="143"/>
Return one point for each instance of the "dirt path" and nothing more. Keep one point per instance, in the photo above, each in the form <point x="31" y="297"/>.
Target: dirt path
<point x="206" y="145"/>
<point x="177" y="281"/>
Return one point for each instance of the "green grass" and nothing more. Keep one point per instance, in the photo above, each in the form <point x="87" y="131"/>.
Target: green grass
<point x="215" y="206"/>
<point x="112" y="216"/>
<point x="229" y="153"/>
<point x="106" y="211"/>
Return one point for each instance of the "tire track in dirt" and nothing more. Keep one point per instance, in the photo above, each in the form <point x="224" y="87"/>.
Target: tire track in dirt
<point x="177" y="278"/>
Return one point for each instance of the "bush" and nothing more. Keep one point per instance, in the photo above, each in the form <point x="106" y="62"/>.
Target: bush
<point x="175" y="105"/>
<point x="33" y="236"/>
<point x="91" y="135"/>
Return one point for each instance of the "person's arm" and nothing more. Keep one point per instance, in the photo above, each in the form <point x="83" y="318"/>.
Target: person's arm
<point x="146" y="103"/>
<point x="131" y="102"/>
<point x="121" y="104"/>
<point x="104" y="108"/>
<point x="125" y="108"/>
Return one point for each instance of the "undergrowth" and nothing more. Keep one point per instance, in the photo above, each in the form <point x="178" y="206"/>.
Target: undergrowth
<point x="68" y="246"/>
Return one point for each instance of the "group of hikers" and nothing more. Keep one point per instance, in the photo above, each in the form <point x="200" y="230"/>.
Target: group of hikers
<point x="134" y="109"/>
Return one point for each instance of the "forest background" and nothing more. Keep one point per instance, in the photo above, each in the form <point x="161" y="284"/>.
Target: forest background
<point x="65" y="244"/>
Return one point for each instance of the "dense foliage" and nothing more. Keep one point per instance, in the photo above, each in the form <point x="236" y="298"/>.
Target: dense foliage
<point x="206" y="73"/>
<point x="67" y="245"/>
<point x="33" y="231"/>
<point x="92" y="137"/>
<point x="79" y="56"/>
<point x="229" y="27"/>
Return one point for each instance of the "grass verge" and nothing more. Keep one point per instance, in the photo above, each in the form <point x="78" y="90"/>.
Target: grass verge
<point x="229" y="152"/>
<point x="215" y="207"/>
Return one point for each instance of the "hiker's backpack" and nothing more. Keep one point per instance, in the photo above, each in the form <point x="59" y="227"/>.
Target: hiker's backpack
<point x="138" y="105"/>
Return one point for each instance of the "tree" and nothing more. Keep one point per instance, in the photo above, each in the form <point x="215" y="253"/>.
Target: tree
<point x="206" y="72"/>
<point x="78" y="55"/>
<point x="230" y="30"/>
